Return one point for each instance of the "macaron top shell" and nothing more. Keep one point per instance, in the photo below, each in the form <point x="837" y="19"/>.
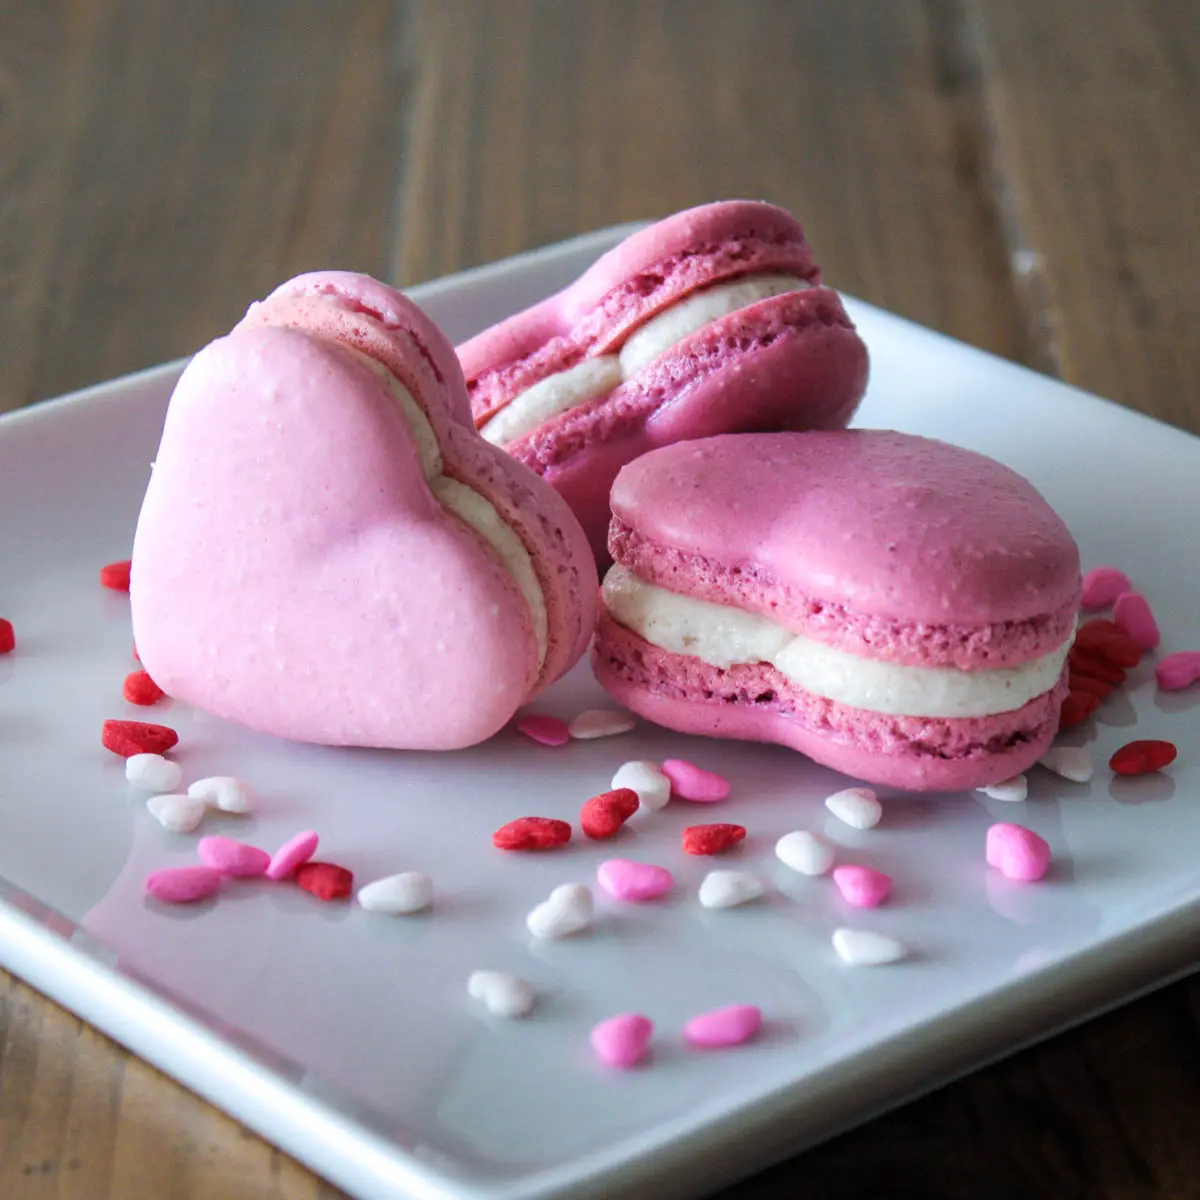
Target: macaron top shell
<point x="868" y="528"/>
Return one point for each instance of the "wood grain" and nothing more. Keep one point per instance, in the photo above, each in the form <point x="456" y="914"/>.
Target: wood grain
<point x="1018" y="173"/>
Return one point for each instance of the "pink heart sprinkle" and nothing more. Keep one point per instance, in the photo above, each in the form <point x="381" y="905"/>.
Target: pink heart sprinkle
<point x="690" y="782"/>
<point x="182" y="885"/>
<point x="548" y="731"/>
<point x="725" y="1027"/>
<point x="1017" y="852"/>
<point x="1132" y="616"/>
<point x="864" y="887"/>
<point x="622" y="1041"/>
<point x="231" y="857"/>
<point x="1178" y="670"/>
<point x="1101" y="586"/>
<point x="627" y="880"/>
<point x="292" y="854"/>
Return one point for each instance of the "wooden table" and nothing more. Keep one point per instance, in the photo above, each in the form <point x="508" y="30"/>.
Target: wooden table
<point x="1022" y="174"/>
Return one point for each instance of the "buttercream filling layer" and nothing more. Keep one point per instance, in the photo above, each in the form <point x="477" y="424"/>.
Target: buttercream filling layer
<point x="723" y="636"/>
<point x="464" y="502"/>
<point x="597" y="376"/>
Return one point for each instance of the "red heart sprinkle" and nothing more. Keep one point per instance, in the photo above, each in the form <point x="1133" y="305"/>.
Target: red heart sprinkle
<point x="1100" y="688"/>
<point x="1103" y="639"/>
<point x="141" y="689"/>
<point x="1140" y="758"/>
<point x="8" y="639"/>
<point x="603" y="815"/>
<point x="1084" y="663"/>
<point x="532" y="833"/>
<point x="116" y="576"/>
<point x="326" y="881"/>
<point x="127" y="738"/>
<point x="711" y="839"/>
<point x="1076" y="709"/>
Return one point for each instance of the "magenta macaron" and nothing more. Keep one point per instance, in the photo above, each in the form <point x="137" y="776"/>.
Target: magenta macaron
<point x="711" y="321"/>
<point x="327" y="549"/>
<point x="894" y="607"/>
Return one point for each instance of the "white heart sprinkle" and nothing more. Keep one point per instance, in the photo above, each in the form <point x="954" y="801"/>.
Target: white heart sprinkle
<point x="1014" y="789"/>
<point x="408" y="892"/>
<point x="153" y="773"/>
<point x="652" y="786"/>
<point x="178" y="814"/>
<point x="863" y="948"/>
<point x="727" y="889"/>
<point x="857" y="806"/>
<point x="1071" y="762"/>
<point x="224" y="792"/>
<point x="569" y="910"/>
<point x="601" y="722"/>
<point x="804" y="852"/>
<point x="502" y="994"/>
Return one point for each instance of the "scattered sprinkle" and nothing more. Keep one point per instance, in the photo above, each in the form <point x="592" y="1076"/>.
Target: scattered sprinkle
<point x="712" y="839"/>
<point x="1133" y="616"/>
<point x="602" y="816"/>
<point x="1178" y="670"/>
<point x="545" y="730"/>
<point x="1140" y="758"/>
<point x="293" y="853"/>
<point x="690" y="782"/>
<point x="176" y="814"/>
<point x="139" y="688"/>
<point x="231" y="857"/>
<point x="1017" y="853"/>
<point x="326" y="881"/>
<point x="8" y="638"/>
<point x="624" y="879"/>
<point x="1105" y="640"/>
<point x="622" y="1041"/>
<point x="857" y="806"/>
<point x="601" y="723"/>
<point x="532" y="833"/>
<point x="862" y="887"/>
<point x="115" y="576"/>
<point x="729" y="1026"/>
<point x="127" y="738"/>
<point x="1071" y="762"/>
<point x="864" y="948"/>
<point x="1100" y="688"/>
<point x="569" y="910"/>
<point x="183" y="885"/>
<point x="1013" y="790"/>
<point x="804" y="852"/>
<point x="1076" y="709"/>
<point x="399" y="895"/>
<point x="153" y="773"/>
<point x="1101" y="586"/>
<point x="502" y="994"/>
<point x="1084" y="663"/>
<point x="653" y="788"/>
<point x="727" y="889"/>
<point x="223" y="792"/>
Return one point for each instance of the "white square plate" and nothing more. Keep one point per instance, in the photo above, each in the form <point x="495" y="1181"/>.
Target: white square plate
<point x="347" y="1038"/>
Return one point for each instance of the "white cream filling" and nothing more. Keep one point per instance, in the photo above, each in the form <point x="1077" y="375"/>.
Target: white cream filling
<point x="467" y="504"/>
<point x="595" y="376"/>
<point x="722" y="636"/>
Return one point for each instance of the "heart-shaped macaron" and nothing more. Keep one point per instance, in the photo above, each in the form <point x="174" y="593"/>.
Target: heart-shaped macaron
<point x="329" y="552"/>
<point x="711" y="321"/>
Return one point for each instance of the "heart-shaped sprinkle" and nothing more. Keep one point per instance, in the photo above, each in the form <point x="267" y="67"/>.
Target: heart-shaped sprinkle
<point x="1133" y="616"/>
<point x="864" y="948"/>
<point x="231" y="857"/>
<point x="729" y="1026"/>
<point x="183" y="885"/>
<point x="140" y="689"/>
<point x="652" y="786"/>
<point x="1103" y="639"/>
<point x="115" y="576"/>
<point x="127" y="738"/>
<point x="294" y="852"/>
<point x="1071" y="762"/>
<point x="601" y="723"/>
<point x="727" y="889"/>
<point x="1178" y="670"/>
<point x="856" y="806"/>
<point x="712" y="839"/>
<point x="8" y="638"/>
<point x="1017" y="853"/>
<point x="1101" y="586"/>
<point x="399" y="895"/>
<point x="1143" y="757"/>
<point x="153" y="773"/>
<point x="1076" y="709"/>
<point x="532" y="833"/>
<point x="545" y="730"/>
<point x="626" y="880"/>
<point x="569" y="910"/>
<point x="223" y="792"/>
<point x="602" y="816"/>
<point x="502" y="994"/>
<point x="690" y="782"/>
<point x="176" y="814"/>
<point x="1100" y="688"/>
<point x="622" y="1041"/>
<point x="863" y="887"/>
<point x="1084" y="662"/>
<point x="804" y="852"/>
<point x="326" y="881"/>
<point x="1013" y="790"/>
